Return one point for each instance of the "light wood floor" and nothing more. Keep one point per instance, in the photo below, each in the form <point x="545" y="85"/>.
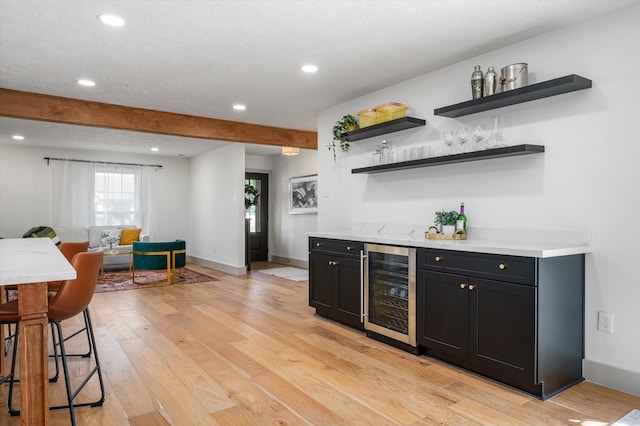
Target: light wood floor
<point x="248" y="350"/>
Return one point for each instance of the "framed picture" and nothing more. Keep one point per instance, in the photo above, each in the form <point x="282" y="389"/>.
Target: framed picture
<point x="303" y="195"/>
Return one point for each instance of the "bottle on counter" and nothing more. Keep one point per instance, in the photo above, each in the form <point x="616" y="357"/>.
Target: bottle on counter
<point x="490" y="82"/>
<point x="461" y="222"/>
<point x="477" y="82"/>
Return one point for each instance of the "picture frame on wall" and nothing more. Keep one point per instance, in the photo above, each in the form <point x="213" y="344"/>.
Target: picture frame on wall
<point x="303" y="195"/>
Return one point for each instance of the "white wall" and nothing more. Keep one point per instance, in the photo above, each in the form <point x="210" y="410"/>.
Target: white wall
<point x="587" y="178"/>
<point x="196" y="198"/>
<point x="290" y="230"/>
<point x="287" y="232"/>
<point x="216" y="209"/>
<point x="24" y="188"/>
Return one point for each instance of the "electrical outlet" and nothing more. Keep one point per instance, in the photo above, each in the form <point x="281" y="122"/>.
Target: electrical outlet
<point x="605" y="322"/>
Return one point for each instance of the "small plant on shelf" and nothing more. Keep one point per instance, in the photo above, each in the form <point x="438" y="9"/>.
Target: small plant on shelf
<point x="348" y="123"/>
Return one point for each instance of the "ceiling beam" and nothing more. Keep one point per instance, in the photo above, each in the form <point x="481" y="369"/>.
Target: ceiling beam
<point x="36" y="106"/>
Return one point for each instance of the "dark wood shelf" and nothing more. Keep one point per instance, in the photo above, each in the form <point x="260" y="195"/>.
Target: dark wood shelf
<point x="508" y="151"/>
<point x="391" y="126"/>
<point x="557" y="86"/>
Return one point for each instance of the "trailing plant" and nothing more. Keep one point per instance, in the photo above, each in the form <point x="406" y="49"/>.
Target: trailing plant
<point x="347" y="123"/>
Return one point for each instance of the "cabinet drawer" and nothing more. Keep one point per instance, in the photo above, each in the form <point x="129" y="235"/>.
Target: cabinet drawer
<point x="516" y="269"/>
<point x="339" y="247"/>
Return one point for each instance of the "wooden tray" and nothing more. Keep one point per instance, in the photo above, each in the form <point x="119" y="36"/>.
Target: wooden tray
<point x="440" y="236"/>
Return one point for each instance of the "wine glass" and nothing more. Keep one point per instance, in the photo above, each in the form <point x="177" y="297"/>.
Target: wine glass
<point x="447" y="135"/>
<point x="477" y="135"/>
<point x="462" y="136"/>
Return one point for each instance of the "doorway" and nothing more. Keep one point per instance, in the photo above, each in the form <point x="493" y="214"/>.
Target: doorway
<point x="258" y="215"/>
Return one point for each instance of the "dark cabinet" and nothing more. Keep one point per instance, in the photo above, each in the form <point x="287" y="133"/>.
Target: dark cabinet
<point x="515" y="319"/>
<point x="335" y="279"/>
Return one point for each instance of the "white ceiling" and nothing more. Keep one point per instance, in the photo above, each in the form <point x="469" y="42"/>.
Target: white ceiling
<point x="201" y="57"/>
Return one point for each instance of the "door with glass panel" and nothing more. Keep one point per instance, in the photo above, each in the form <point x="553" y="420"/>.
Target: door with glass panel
<point x="256" y="197"/>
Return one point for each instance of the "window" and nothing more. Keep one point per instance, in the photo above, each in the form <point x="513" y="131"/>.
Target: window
<point x="252" y="190"/>
<point x="115" y="198"/>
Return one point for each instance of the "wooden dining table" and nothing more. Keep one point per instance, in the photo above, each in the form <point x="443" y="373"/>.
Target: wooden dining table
<point x="31" y="263"/>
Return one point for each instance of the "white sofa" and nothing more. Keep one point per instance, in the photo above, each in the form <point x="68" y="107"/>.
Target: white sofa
<point x="94" y="234"/>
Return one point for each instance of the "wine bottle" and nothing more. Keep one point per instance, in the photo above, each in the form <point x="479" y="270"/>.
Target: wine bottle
<point x="461" y="222"/>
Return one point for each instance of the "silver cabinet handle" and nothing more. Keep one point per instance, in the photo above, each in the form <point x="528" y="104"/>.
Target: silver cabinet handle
<point x="362" y="302"/>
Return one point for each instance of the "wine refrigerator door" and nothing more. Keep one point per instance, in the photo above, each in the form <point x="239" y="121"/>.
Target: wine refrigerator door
<point x="390" y="292"/>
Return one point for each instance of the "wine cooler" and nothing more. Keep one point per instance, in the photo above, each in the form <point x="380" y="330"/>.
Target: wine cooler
<point x="390" y="294"/>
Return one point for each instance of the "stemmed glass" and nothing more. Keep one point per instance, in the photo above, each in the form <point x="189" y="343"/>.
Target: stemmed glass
<point x="477" y="135"/>
<point x="463" y="136"/>
<point x="447" y="135"/>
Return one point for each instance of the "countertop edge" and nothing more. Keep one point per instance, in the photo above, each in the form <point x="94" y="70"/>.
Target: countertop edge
<point x="510" y="248"/>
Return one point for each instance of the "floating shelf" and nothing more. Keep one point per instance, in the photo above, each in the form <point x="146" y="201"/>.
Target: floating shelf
<point x="508" y="151"/>
<point x="391" y="126"/>
<point x="558" y="86"/>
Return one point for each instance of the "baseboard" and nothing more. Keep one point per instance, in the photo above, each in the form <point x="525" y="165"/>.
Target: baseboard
<point x="234" y="270"/>
<point x="612" y="377"/>
<point x="304" y="264"/>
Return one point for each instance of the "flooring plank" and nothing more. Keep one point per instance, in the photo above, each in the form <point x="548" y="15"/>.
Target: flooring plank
<point x="248" y="350"/>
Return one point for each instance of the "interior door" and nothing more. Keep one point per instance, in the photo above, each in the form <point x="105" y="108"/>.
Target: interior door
<point x="259" y="217"/>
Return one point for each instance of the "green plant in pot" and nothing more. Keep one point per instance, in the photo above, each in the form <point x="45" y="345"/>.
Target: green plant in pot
<point x="348" y="123"/>
<point x="446" y="218"/>
<point x="251" y="196"/>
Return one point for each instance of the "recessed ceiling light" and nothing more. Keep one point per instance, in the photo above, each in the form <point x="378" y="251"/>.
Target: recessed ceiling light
<point x="18" y="137"/>
<point x="113" y="20"/>
<point x="154" y="149"/>
<point x="239" y="107"/>
<point x="87" y="83"/>
<point x="309" y="68"/>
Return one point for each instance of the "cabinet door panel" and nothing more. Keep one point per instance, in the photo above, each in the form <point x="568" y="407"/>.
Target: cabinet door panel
<point x="502" y="332"/>
<point x="322" y="281"/>
<point x="348" y="295"/>
<point x="443" y="313"/>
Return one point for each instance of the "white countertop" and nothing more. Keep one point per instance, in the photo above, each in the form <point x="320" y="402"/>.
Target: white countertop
<point x="540" y="249"/>
<point x="32" y="260"/>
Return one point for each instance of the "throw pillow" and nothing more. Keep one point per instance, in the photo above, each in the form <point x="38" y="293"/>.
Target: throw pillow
<point x="129" y="235"/>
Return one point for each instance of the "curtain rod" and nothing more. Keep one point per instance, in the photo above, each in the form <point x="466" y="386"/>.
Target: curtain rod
<point x="159" y="166"/>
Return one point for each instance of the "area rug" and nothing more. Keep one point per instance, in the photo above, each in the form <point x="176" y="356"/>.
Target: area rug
<point x="121" y="280"/>
<point x="289" y="273"/>
<point x="631" y="419"/>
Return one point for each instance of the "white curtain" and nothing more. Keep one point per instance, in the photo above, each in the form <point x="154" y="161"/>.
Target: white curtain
<point x="148" y="192"/>
<point x="72" y="193"/>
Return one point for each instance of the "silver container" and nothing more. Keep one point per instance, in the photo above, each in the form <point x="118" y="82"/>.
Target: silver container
<point x="490" y="82"/>
<point x="477" y="82"/>
<point x="513" y="76"/>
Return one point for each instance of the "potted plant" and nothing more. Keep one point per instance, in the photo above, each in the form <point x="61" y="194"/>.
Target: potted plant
<point x="251" y="196"/>
<point x="348" y="123"/>
<point x="446" y="220"/>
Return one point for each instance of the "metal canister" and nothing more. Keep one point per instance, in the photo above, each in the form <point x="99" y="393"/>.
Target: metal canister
<point x="490" y="82"/>
<point x="513" y="76"/>
<point x="477" y="82"/>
